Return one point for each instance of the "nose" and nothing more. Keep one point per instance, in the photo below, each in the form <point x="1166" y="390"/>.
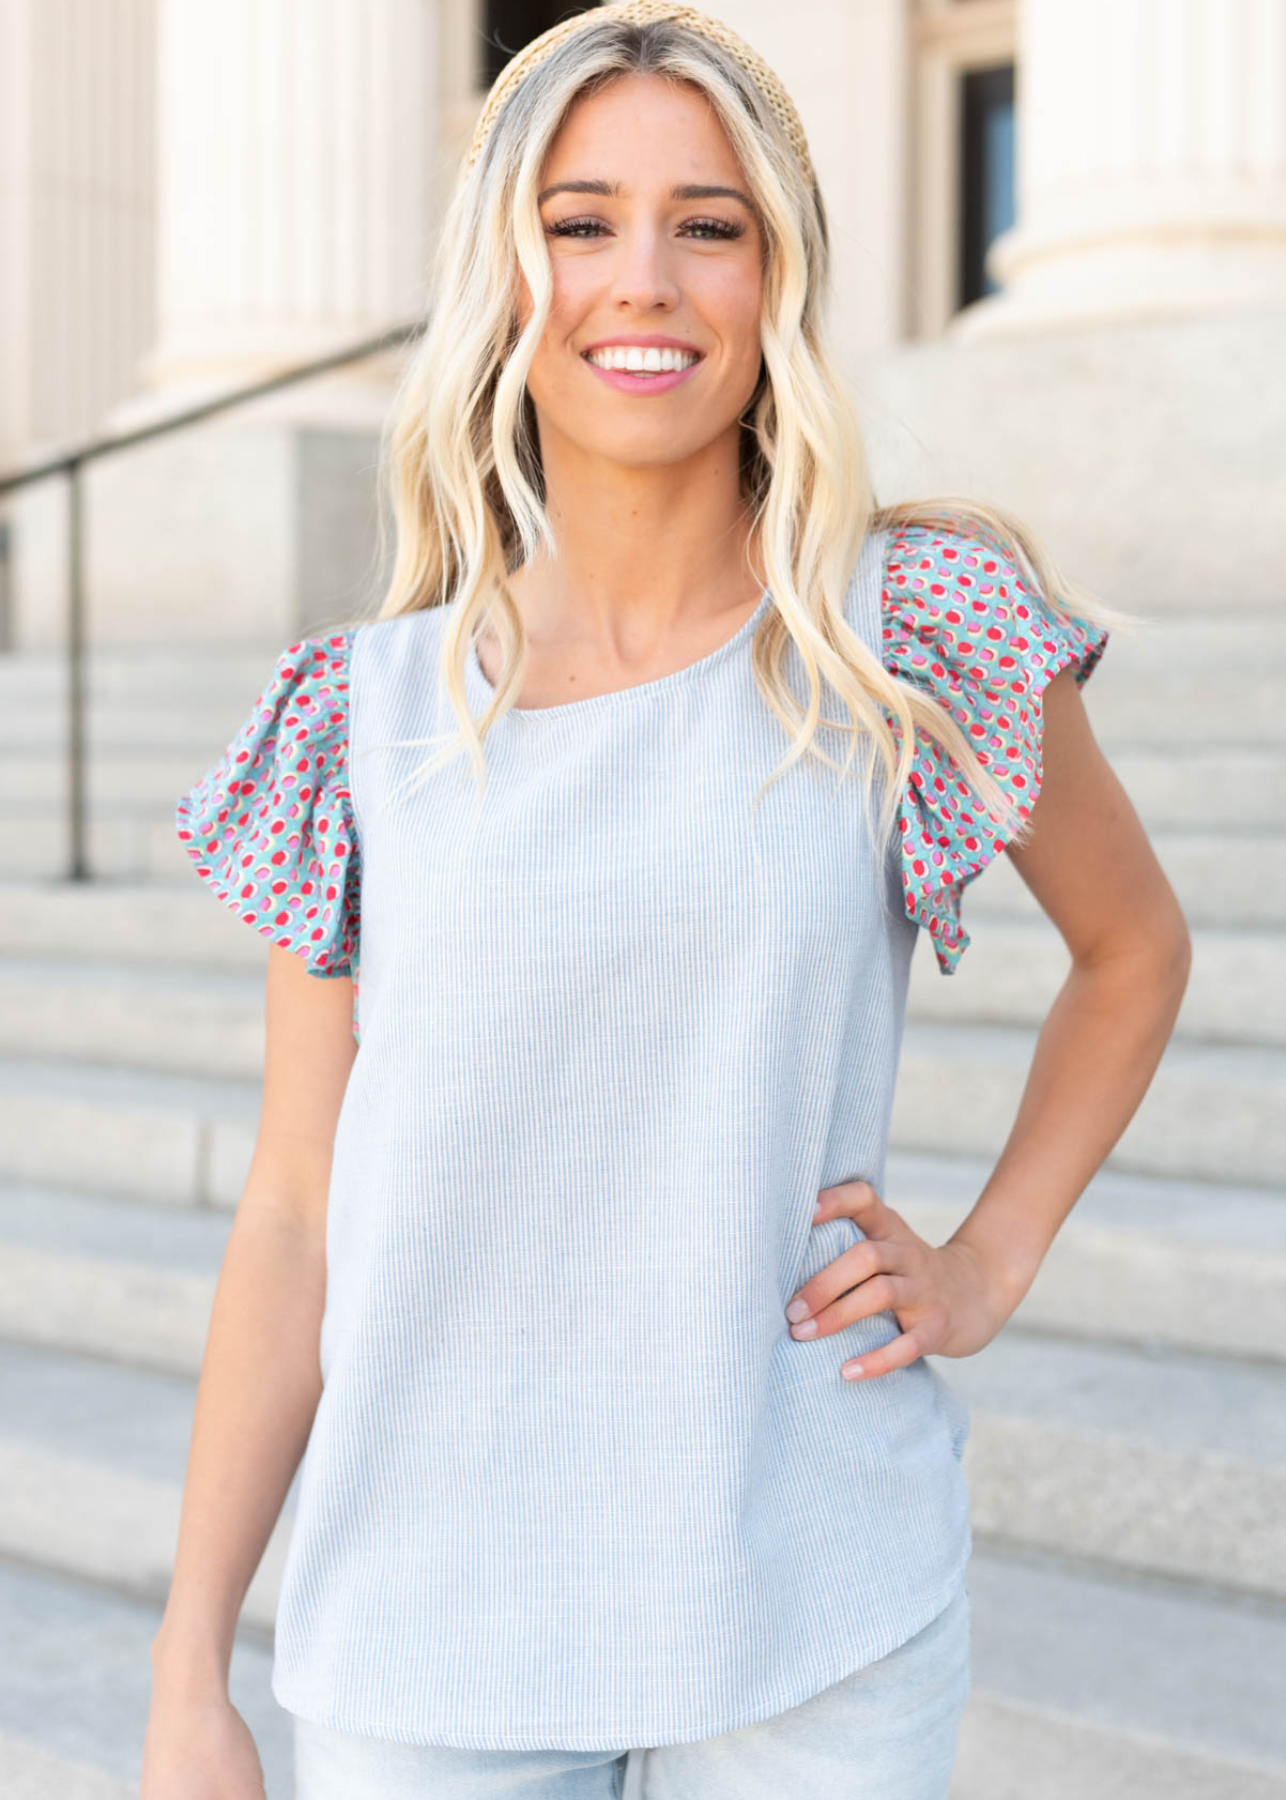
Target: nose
<point x="642" y="273"/>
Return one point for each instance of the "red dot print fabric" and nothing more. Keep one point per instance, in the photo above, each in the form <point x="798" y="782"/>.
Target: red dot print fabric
<point x="270" y="827"/>
<point x="961" y="623"/>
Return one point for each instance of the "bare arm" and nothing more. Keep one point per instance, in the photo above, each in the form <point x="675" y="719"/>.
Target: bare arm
<point x="1090" y="865"/>
<point x="260" y="1376"/>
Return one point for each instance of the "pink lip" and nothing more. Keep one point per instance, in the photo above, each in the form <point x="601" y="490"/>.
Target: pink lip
<point x="630" y="383"/>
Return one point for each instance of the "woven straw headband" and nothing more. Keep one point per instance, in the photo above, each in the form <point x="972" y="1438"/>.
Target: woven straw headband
<point x="640" y="12"/>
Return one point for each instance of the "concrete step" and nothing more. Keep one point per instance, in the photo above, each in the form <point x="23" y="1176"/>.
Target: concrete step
<point x="123" y="844"/>
<point x="187" y="698"/>
<point x="162" y="923"/>
<point x="1173" y="787"/>
<point x="1184" y="679"/>
<point x="1224" y="877"/>
<point x="1242" y="637"/>
<point x="1148" y="695"/>
<point x="1213" y="1112"/>
<point x="1095" y="1659"/>
<point x="190" y="728"/>
<point x="1091" y="1685"/>
<point x="123" y="1280"/>
<point x="138" y="674"/>
<point x="1167" y="1462"/>
<point x="1240" y="711"/>
<point x="1228" y="879"/>
<point x="1013" y="969"/>
<point x="1195" y="643"/>
<point x="1139" y="1262"/>
<point x="1160" y="1461"/>
<point x="1084" y="1684"/>
<point x="76" y="1688"/>
<point x="117" y="1439"/>
<point x="140" y="1015"/>
<point x="158" y="1016"/>
<point x="179" y="1140"/>
<point x="1180" y="788"/>
<point x="138" y="780"/>
<point x="1148" y="1261"/>
<point x="1164" y="708"/>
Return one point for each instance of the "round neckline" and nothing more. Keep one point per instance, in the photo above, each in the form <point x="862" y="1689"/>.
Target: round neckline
<point x="594" y="703"/>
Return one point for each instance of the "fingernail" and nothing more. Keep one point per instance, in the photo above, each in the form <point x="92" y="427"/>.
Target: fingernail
<point x="798" y="1309"/>
<point x="851" y="1370"/>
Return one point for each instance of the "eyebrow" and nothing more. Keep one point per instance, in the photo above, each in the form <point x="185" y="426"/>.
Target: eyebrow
<point x="690" y="190"/>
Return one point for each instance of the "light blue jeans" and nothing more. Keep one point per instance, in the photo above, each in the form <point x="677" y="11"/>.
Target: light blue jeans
<point x="886" y="1732"/>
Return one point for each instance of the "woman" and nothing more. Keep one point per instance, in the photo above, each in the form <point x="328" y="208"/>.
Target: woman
<point x="563" y="1248"/>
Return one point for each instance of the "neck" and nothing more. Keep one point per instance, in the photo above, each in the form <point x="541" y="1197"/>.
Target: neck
<point x="641" y="551"/>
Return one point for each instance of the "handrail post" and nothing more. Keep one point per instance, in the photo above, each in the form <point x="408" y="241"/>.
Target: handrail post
<point x="78" y="849"/>
<point x="73" y="464"/>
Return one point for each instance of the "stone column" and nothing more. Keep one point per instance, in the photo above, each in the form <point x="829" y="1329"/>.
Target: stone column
<point x="297" y="156"/>
<point x="76" y="198"/>
<point x="849" y="75"/>
<point x="1151" y="165"/>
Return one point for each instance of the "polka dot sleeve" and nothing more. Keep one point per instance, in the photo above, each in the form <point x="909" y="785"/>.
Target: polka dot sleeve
<point x="270" y="826"/>
<point x="960" y="622"/>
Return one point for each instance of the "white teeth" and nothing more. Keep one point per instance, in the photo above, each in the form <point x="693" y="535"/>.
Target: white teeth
<point x="638" y="361"/>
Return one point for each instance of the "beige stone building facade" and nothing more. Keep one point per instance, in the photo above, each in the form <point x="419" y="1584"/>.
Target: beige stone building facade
<point x="1060" y="231"/>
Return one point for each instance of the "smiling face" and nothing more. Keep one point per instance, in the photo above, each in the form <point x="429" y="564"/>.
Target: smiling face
<point x="656" y="254"/>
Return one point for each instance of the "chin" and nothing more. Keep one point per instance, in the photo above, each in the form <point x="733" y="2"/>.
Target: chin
<point x="654" y="455"/>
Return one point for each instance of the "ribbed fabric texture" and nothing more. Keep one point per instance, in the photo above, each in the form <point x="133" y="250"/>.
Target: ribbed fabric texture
<point x="571" y="1482"/>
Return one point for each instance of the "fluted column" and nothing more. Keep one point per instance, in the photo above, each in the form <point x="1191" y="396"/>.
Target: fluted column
<point x="297" y="144"/>
<point x="76" y="200"/>
<point x="1151" y="164"/>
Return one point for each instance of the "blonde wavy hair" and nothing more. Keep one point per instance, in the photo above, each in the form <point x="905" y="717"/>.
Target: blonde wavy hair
<point x="459" y="459"/>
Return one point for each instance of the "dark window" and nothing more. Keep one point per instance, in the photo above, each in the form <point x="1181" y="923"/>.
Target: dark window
<point x="986" y="172"/>
<point x="512" y="23"/>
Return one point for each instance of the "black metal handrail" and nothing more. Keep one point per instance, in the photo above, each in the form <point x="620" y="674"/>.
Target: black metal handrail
<point x="72" y="464"/>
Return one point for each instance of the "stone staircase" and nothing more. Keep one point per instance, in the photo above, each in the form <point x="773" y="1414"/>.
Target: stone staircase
<point x="1127" y="1452"/>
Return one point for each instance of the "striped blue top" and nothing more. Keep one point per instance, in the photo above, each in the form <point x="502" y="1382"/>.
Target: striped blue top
<point x="571" y="1482"/>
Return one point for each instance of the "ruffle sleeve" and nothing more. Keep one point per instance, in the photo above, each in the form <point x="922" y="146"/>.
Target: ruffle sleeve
<point x="960" y="622"/>
<point x="270" y="827"/>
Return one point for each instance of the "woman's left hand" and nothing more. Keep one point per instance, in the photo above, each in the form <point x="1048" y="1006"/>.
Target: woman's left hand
<point x="943" y="1296"/>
